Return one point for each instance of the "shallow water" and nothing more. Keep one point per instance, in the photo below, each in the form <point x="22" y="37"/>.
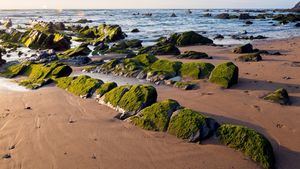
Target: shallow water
<point x="160" y="24"/>
<point x="8" y="84"/>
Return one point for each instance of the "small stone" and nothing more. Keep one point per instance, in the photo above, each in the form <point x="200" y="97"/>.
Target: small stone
<point x="6" y="156"/>
<point x="28" y="108"/>
<point x="12" y="147"/>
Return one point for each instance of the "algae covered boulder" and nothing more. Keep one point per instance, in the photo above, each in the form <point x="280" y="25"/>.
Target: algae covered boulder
<point x="185" y="85"/>
<point x="247" y="48"/>
<point x="162" y="70"/>
<point x="13" y="70"/>
<point x="225" y="75"/>
<point x="186" y="123"/>
<point x="115" y="95"/>
<point x="157" y="116"/>
<point x="146" y="59"/>
<point x="189" y="38"/>
<point x="81" y="50"/>
<point x="196" y="70"/>
<point x="161" y="49"/>
<point x="280" y="96"/>
<point x="83" y="86"/>
<point x="248" y="141"/>
<point x="103" y="33"/>
<point x="104" y="88"/>
<point x="252" y="57"/>
<point x="193" y="55"/>
<point x="137" y="98"/>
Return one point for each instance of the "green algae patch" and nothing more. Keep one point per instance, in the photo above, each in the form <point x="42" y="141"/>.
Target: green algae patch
<point x="146" y="59"/>
<point x="185" y="123"/>
<point x="81" y="50"/>
<point x="64" y="82"/>
<point x="185" y="85"/>
<point x="225" y="75"/>
<point x="160" y="49"/>
<point x="196" y="70"/>
<point x="250" y="142"/>
<point x="106" y="87"/>
<point x="162" y="65"/>
<point x="137" y="98"/>
<point x="279" y="96"/>
<point x="157" y="116"/>
<point x="115" y="95"/>
<point x="193" y="55"/>
<point x="14" y="70"/>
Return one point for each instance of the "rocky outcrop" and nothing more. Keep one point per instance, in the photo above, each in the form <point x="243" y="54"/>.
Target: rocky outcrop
<point x="160" y="49"/>
<point x="81" y="50"/>
<point x="189" y="38"/>
<point x="196" y="70"/>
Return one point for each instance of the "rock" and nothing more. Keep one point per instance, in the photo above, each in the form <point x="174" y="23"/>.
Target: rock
<point x="81" y="50"/>
<point x="193" y="55"/>
<point x="164" y="69"/>
<point x="189" y="38"/>
<point x="7" y="24"/>
<point x="196" y="70"/>
<point x="248" y="141"/>
<point x="279" y="96"/>
<point x="83" y="86"/>
<point x="297" y="25"/>
<point x="135" y="30"/>
<point x="104" y="88"/>
<point x="125" y="44"/>
<point x="160" y="49"/>
<point x="157" y="116"/>
<point x="219" y="36"/>
<point x="173" y="15"/>
<point x="260" y="16"/>
<point x="185" y="85"/>
<point x="225" y="75"/>
<point x="77" y="60"/>
<point x="188" y="124"/>
<point x="244" y="16"/>
<point x="6" y="156"/>
<point x="59" y="26"/>
<point x="207" y="15"/>
<point x="115" y="95"/>
<point x="248" y="48"/>
<point x="84" y="21"/>
<point x="255" y="57"/>
<point x="223" y="16"/>
<point x="248" y="23"/>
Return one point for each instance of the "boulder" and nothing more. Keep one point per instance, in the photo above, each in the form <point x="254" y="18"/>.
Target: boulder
<point x="248" y="141"/>
<point x="223" y="16"/>
<point x="81" y="50"/>
<point x="196" y="70"/>
<point x="125" y="44"/>
<point x="247" y="48"/>
<point x="157" y="116"/>
<point x="297" y="25"/>
<point x="189" y="38"/>
<point x="135" y="30"/>
<point x="83" y="86"/>
<point x="160" y="49"/>
<point x="219" y="36"/>
<point x="225" y="75"/>
<point x="84" y="21"/>
<point x="173" y="15"/>
<point x="185" y="85"/>
<point x="76" y="60"/>
<point x="280" y="96"/>
<point x="244" y="16"/>
<point x="14" y="70"/>
<point x="253" y="57"/>
<point x="188" y="124"/>
<point x="113" y="97"/>
<point x="193" y="55"/>
<point x="166" y="67"/>
<point x="248" y="23"/>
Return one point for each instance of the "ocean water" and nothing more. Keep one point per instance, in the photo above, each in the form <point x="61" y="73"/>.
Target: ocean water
<point x="160" y="23"/>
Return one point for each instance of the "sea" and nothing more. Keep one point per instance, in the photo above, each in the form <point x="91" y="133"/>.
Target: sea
<point x="161" y="23"/>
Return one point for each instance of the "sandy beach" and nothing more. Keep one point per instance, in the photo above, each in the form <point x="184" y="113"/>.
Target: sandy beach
<point x="60" y="130"/>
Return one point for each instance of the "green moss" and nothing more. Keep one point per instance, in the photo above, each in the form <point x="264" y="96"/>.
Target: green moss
<point x="250" y="142"/>
<point x="64" y="82"/>
<point x="225" y="75"/>
<point x="83" y="86"/>
<point x="193" y="55"/>
<point x="114" y="96"/>
<point x="61" y="71"/>
<point x="138" y="97"/>
<point x="103" y="33"/>
<point x="280" y="96"/>
<point x="156" y="117"/>
<point x="185" y="85"/>
<point x="89" y="68"/>
<point x="146" y="59"/>
<point x="161" y="49"/>
<point x="106" y="87"/>
<point x="166" y="66"/>
<point x="196" y="70"/>
<point x="185" y="123"/>
<point x="110" y="65"/>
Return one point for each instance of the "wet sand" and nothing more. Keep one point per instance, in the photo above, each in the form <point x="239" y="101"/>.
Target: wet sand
<point x="63" y="131"/>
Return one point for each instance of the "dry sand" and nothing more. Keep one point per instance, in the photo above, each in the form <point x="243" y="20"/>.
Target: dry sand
<point x="62" y="131"/>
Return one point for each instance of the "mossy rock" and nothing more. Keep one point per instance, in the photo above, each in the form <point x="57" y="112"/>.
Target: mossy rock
<point x="189" y="38"/>
<point x="81" y="50"/>
<point x="125" y="44"/>
<point x="103" y="33"/>
<point x="247" y="48"/>
<point x="157" y="116"/>
<point x="250" y="142"/>
<point x="106" y="87"/>
<point x="83" y="86"/>
<point x="280" y="96"/>
<point x="196" y="70"/>
<point x="13" y="70"/>
<point x="185" y="85"/>
<point x="253" y="57"/>
<point x="137" y="98"/>
<point x="193" y="55"/>
<point x="146" y="59"/>
<point x="115" y="95"/>
<point x="225" y="75"/>
<point x="185" y="123"/>
<point x="160" y="49"/>
<point x="163" y="65"/>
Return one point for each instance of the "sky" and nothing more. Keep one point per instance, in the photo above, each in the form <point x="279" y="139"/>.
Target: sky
<point x="122" y="4"/>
